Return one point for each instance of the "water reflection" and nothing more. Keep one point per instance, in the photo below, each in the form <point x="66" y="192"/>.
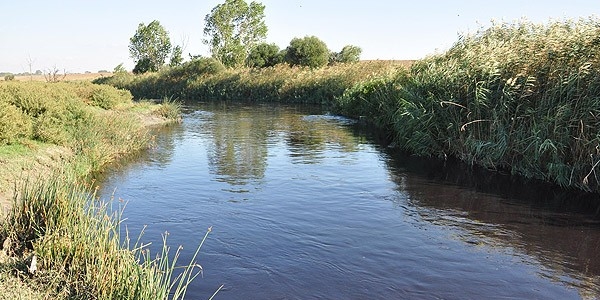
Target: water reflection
<point x="240" y="137"/>
<point x="238" y="145"/>
<point x="328" y="204"/>
<point x="558" y="228"/>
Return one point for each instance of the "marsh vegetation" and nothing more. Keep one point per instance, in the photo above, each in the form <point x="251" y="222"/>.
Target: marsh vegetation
<point x="515" y="97"/>
<point x="59" y="241"/>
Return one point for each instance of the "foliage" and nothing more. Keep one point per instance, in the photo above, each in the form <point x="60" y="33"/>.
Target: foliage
<point x="348" y="54"/>
<point x="264" y="55"/>
<point x="309" y="51"/>
<point x="119" y="69"/>
<point x="520" y="97"/>
<point x="149" y="47"/>
<point x="176" y="56"/>
<point x="73" y="245"/>
<point x="14" y="124"/>
<point x="9" y="77"/>
<point x="233" y="28"/>
<point x="142" y="66"/>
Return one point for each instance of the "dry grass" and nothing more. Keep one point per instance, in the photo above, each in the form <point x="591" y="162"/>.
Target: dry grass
<point x="68" y="77"/>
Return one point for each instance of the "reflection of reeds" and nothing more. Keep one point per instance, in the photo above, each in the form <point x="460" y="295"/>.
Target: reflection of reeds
<point x="80" y="250"/>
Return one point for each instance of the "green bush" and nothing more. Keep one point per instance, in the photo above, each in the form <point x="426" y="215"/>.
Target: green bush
<point x="309" y="51"/>
<point x="14" y="124"/>
<point x="9" y="77"/>
<point x="264" y="55"/>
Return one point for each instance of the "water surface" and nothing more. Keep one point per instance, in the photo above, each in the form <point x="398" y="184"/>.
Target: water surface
<point x="304" y="205"/>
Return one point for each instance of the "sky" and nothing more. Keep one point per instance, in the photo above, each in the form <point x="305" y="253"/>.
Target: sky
<point x="88" y="35"/>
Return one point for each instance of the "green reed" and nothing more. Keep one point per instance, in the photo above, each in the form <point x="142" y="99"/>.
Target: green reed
<point x="519" y="96"/>
<point x="80" y="250"/>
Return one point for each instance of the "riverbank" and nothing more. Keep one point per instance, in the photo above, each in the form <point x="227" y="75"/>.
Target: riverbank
<point x="521" y="98"/>
<point x="53" y="136"/>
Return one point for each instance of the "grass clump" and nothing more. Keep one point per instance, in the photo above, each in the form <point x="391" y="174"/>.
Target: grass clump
<point x="72" y="245"/>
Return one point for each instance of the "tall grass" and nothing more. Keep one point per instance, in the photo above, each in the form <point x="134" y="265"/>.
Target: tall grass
<point x="75" y="239"/>
<point x="280" y="83"/>
<point x="80" y="252"/>
<point x="517" y="96"/>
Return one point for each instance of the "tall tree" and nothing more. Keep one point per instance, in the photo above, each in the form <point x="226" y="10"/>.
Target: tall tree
<point x="150" y="47"/>
<point x="233" y="28"/>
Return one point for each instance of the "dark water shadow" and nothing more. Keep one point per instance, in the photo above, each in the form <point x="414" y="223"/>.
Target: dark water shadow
<point x="558" y="227"/>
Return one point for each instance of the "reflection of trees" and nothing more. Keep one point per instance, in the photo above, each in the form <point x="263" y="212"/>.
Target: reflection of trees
<point x="308" y="137"/>
<point x="240" y="138"/>
<point x="542" y="222"/>
<point x="238" y="152"/>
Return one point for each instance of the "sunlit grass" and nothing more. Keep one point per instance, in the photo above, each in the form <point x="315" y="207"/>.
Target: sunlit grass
<point x="54" y="222"/>
<point x="77" y="243"/>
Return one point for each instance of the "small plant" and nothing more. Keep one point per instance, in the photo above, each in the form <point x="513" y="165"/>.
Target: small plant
<point x="169" y="109"/>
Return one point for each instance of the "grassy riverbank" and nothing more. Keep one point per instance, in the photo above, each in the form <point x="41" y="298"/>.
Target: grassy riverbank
<point x="58" y="241"/>
<point x="519" y="97"/>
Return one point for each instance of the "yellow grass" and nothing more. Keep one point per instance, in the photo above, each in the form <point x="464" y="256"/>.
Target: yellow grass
<point x="68" y="77"/>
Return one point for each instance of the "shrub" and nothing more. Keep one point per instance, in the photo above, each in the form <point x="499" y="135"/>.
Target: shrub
<point x="348" y="54"/>
<point x="264" y="55"/>
<point x="309" y="51"/>
<point x="9" y="77"/>
<point x="14" y="124"/>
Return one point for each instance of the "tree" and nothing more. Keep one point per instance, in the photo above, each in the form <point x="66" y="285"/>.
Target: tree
<point x="176" y="56"/>
<point x="264" y="55"/>
<point x="142" y="66"/>
<point x="119" y="69"/>
<point x="150" y="46"/>
<point x="348" y="54"/>
<point x="233" y="28"/>
<point x="309" y="51"/>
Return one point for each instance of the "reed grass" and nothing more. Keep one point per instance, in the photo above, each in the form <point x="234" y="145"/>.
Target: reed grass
<point x="80" y="250"/>
<point x="519" y="96"/>
<point x="54" y="222"/>
<point x="280" y="83"/>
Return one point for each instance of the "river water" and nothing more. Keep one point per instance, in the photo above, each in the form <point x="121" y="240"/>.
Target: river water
<point x="305" y="205"/>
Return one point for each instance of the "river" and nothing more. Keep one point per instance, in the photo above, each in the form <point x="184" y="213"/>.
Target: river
<point x="306" y="205"/>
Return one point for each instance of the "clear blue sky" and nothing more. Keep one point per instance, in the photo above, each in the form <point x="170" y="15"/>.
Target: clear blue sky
<point x="90" y="35"/>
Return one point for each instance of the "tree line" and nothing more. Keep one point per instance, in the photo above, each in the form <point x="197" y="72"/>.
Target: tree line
<point x="236" y="32"/>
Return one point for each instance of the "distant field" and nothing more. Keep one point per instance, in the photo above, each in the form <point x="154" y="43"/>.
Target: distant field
<point x="69" y="77"/>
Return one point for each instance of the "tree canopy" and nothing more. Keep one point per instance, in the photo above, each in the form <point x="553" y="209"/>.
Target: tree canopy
<point x="233" y="28"/>
<point x="349" y="53"/>
<point x="149" y="47"/>
<point x="264" y="55"/>
<point x="309" y="51"/>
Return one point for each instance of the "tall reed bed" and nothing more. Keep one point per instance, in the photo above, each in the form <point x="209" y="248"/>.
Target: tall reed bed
<point x="517" y="96"/>
<point x="72" y="245"/>
<point x="280" y="83"/>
